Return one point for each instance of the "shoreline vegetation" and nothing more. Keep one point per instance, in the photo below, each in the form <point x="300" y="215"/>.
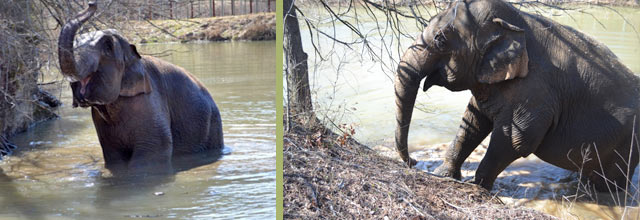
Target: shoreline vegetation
<point x="249" y="27"/>
<point x="333" y="176"/>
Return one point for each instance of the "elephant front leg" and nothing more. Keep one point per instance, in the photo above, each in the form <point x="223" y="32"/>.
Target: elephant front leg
<point x="152" y="156"/>
<point x="115" y="159"/>
<point x="499" y="155"/>
<point x="518" y="135"/>
<point x="473" y="129"/>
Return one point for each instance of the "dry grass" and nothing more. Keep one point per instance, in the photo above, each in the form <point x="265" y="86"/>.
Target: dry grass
<point x="260" y="26"/>
<point x="622" y="203"/>
<point x="328" y="177"/>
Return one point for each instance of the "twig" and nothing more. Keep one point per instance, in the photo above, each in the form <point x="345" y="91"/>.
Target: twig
<point x="414" y="208"/>
<point x="452" y="205"/>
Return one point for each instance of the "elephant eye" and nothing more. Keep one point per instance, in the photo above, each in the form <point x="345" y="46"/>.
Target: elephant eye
<point x="439" y="41"/>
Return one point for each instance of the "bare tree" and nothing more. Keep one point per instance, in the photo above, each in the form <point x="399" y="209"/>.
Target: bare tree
<point x="299" y="94"/>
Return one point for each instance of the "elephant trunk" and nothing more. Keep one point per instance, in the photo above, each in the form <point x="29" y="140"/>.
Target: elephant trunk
<point x="65" y="42"/>
<point x="407" y="83"/>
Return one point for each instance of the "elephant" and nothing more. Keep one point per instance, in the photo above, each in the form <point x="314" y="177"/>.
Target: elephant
<point x="538" y="87"/>
<point x="146" y="111"/>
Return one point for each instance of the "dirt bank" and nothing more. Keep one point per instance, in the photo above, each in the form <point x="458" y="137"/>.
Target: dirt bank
<point x="332" y="176"/>
<point x="261" y="26"/>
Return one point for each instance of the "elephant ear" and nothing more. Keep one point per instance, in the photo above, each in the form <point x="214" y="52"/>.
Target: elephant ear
<point x="505" y="56"/>
<point x="135" y="79"/>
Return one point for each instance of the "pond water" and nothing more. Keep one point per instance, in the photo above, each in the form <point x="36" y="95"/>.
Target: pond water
<point x="58" y="170"/>
<point x="350" y="87"/>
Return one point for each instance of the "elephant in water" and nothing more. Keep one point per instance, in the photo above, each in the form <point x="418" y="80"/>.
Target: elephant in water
<point x="147" y="112"/>
<point x="538" y="87"/>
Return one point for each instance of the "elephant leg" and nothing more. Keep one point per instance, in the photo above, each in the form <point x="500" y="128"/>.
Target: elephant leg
<point x="152" y="151"/>
<point x="474" y="128"/>
<point x="150" y="158"/>
<point x="517" y="132"/>
<point x="499" y="155"/>
<point x="115" y="156"/>
<point x="616" y="177"/>
<point x="115" y="159"/>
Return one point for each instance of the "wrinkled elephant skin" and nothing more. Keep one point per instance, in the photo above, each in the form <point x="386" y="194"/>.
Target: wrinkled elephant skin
<point x="538" y="88"/>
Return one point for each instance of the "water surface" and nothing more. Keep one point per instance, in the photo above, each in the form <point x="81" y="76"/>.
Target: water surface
<point x="58" y="170"/>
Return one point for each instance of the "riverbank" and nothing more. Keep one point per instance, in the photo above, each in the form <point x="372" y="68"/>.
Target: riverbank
<point x="631" y="3"/>
<point x="533" y="183"/>
<point x="251" y="27"/>
<point x="330" y="175"/>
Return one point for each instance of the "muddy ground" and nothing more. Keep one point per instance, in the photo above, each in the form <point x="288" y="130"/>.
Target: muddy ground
<point x="332" y="176"/>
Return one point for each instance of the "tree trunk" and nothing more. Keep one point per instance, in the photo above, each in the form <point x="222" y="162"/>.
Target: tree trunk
<point x="150" y="14"/>
<point x="191" y="3"/>
<point x="171" y="9"/>
<point x="232" y="6"/>
<point x="213" y="8"/>
<point x="298" y="92"/>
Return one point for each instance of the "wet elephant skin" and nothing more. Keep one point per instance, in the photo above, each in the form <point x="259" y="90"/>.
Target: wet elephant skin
<point x="147" y="112"/>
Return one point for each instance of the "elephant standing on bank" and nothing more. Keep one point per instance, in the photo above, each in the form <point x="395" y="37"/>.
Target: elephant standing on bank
<point x="538" y="87"/>
<point x="147" y="112"/>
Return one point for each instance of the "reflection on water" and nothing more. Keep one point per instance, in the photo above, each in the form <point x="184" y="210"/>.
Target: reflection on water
<point x="352" y="89"/>
<point x="58" y="171"/>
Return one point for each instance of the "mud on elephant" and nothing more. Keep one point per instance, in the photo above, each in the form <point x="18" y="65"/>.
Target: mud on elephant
<point x="538" y="88"/>
<point x="146" y="111"/>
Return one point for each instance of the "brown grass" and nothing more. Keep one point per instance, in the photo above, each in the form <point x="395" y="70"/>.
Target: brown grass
<point x="327" y="177"/>
<point x="260" y="26"/>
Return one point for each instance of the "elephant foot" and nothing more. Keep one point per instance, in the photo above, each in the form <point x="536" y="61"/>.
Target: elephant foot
<point x="484" y="183"/>
<point x="447" y="171"/>
<point x="412" y="162"/>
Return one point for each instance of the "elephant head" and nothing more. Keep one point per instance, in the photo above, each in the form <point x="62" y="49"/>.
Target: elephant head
<point x="469" y="44"/>
<point x="100" y="65"/>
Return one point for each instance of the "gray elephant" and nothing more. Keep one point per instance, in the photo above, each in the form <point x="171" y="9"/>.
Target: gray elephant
<point x="146" y="112"/>
<point x="538" y="87"/>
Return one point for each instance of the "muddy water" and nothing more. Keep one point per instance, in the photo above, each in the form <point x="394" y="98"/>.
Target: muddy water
<point x="352" y="89"/>
<point x="58" y="171"/>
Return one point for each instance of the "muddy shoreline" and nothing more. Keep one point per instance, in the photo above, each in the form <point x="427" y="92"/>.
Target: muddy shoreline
<point x="333" y="176"/>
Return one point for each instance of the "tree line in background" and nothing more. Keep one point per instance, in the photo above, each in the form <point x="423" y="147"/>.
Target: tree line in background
<point x="185" y="9"/>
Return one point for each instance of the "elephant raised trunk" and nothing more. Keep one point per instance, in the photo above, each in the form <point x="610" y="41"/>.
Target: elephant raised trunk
<point x="407" y="83"/>
<point x="65" y="42"/>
